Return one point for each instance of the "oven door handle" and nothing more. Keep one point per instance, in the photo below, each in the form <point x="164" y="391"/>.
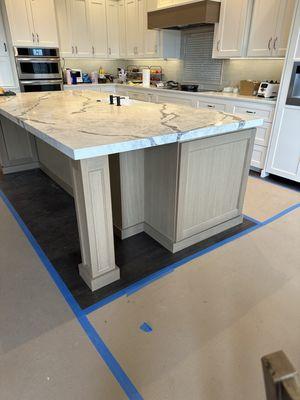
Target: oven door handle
<point x="43" y="82"/>
<point x="39" y="60"/>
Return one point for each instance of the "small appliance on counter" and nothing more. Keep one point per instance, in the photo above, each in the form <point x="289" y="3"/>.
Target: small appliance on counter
<point x="78" y="74"/>
<point x="249" y="88"/>
<point x="268" y="89"/>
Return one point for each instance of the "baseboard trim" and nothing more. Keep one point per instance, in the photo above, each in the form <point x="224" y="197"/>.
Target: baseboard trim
<point x="128" y="232"/>
<point x="174" y="247"/>
<point x="19" y="168"/>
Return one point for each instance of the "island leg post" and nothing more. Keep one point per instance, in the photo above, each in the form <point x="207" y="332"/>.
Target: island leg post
<point x="91" y="186"/>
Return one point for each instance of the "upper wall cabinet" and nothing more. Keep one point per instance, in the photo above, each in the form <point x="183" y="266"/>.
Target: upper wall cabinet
<point x="81" y="43"/>
<point x="113" y="28"/>
<point x="32" y="22"/>
<point x="98" y="27"/>
<point x="270" y="27"/>
<point x="231" y="31"/>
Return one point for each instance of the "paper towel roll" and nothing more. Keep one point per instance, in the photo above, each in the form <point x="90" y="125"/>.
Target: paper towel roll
<point x="146" y="77"/>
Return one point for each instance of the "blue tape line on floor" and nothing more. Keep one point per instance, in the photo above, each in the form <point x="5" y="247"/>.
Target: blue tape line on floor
<point x="168" y="269"/>
<point x="94" y="337"/>
<point x="145" y="327"/>
<point x="255" y="221"/>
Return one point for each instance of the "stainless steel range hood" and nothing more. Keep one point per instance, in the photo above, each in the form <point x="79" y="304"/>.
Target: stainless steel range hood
<point x="184" y="16"/>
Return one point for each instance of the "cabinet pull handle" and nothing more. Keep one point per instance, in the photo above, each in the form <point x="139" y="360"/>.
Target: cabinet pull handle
<point x="72" y="49"/>
<point x="269" y="44"/>
<point x="76" y="49"/>
<point x="275" y="41"/>
<point x="210" y="106"/>
<point x="218" y="45"/>
<point x="109" y="51"/>
<point x="5" y="47"/>
<point x="93" y="50"/>
<point x="33" y="37"/>
<point x="250" y="112"/>
<point x="37" y="38"/>
<point x="155" y="48"/>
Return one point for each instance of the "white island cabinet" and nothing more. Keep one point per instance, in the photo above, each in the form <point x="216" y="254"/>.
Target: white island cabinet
<point x="136" y="173"/>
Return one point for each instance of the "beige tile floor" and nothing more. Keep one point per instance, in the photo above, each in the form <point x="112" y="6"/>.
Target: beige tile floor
<point x="264" y="199"/>
<point x="212" y="319"/>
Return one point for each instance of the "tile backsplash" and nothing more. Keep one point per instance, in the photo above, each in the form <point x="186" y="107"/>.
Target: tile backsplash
<point x="233" y="70"/>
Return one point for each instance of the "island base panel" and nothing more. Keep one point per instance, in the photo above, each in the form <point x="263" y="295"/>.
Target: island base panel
<point x="92" y="194"/>
<point x="17" y="148"/>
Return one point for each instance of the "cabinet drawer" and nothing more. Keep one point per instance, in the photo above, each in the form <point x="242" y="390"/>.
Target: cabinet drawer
<point x="211" y="105"/>
<point x="173" y="99"/>
<point x="258" y="156"/>
<point x="263" y="134"/>
<point x="138" y="96"/>
<point x="266" y="114"/>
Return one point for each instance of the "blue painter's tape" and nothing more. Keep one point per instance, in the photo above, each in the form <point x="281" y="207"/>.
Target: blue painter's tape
<point x="255" y="221"/>
<point x="94" y="337"/>
<point x="145" y="327"/>
<point x="168" y="269"/>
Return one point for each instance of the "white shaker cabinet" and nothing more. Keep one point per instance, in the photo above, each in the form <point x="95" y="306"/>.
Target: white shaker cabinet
<point x="122" y="28"/>
<point x="131" y="31"/>
<point x="80" y="28"/>
<point x="232" y="29"/>
<point x="113" y="28"/>
<point x="32" y="22"/>
<point x="6" y="74"/>
<point x="44" y="22"/>
<point x="270" y="27"/>
<point x="98" y="27"/>
<point x="64" y="28"/>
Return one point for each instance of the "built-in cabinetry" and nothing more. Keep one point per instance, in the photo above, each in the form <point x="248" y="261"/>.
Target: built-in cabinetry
<point x="17" y="148"/>
<point x="253" y="28"/>
<point x="239" y="107"/>
<point x="32" y="22"/>
<point x="270" y="27"/>
<point x="231" y="32"/>
<point x="6" y="74"/>
<point x="284" y="151"/>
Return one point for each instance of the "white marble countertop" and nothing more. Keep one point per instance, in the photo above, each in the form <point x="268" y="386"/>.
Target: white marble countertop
<point x="80" y="126"/>
<point x="211" y="94"/>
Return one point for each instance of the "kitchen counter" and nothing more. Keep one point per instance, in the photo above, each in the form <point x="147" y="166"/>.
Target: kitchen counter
<point x="209" y="94"/>
<point x="175" y="172"/>
<point x="82" y="124"/>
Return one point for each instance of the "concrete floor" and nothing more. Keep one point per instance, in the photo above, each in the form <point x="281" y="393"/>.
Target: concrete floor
<point x="212" y="319"/>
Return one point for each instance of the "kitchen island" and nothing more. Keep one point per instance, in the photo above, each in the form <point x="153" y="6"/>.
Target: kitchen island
<point x="177" y="173"/>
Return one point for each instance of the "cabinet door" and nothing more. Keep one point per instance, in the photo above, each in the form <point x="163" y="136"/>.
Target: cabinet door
<point x="140" y="25"/>
<point x="122" y="28"/>
<point x="285" y="148"/>
<point x="64" y="28"/>
<point x="263" y="27"/>
<point x="131" y="31"/>
<point x="151" y="38"/>
<point x="230" y="32"/>
<point x="284" y="24"/>
<point x="80" y="28"/>
<point x="113" y="28"/>
<point x="6" y="75"/>
<point x="98" y="27"/>
<point x="20" y="22"/>
<point x="44" y="22"/>
<point x="3" y="42"/>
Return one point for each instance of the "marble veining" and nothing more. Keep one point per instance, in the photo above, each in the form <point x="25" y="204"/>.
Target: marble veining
<point x="82" y="124"/>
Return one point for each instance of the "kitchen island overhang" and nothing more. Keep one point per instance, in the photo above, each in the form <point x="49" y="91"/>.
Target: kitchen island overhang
<point x="176" y="172"/>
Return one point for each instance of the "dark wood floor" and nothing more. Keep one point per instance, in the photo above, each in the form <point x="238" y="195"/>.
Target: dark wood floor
<point x="49" y="213"/>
